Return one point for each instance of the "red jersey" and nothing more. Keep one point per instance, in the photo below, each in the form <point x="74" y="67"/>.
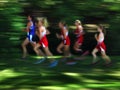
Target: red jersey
<point x="79" y="34"/>
<point x="66" y="40"/>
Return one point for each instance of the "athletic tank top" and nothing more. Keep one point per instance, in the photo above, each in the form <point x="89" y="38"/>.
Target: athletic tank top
<point x="63" y="33"/>
<point x="31" y="29"/>
<point x="101" y="39"/>
<point x="44" y="31"/>
<point x="79" y="32"/>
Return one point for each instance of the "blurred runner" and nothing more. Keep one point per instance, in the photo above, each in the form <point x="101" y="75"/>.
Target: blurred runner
<point x="30" y="29"/>
<point x="100" y="47"/>
<point x="79" y="35"/>
<point x="43" y="42"/>
<point x="64" y="46"/>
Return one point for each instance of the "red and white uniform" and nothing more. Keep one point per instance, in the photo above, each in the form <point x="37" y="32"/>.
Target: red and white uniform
<point x="79" y="34"/>
<point x="66" y="40"/>
<point x="101" y="45"/>
<point x="43" y="41"/>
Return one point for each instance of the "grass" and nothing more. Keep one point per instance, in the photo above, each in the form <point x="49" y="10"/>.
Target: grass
<point x="19" y="74"/>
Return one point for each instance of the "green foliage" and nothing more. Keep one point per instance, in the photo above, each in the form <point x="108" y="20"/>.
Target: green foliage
<point x="16" y="74"/>
<point x="11" y="20"/>
<point x="88" y="11"/>
<point x="70" y="10"/>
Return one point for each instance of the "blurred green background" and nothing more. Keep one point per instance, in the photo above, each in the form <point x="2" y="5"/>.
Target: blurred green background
<point x="13" y="19"/>
<point x="17" y="74"/>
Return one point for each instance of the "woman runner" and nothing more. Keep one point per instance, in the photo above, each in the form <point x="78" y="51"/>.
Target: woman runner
<point x="64" y="46"/>
<point x="30" y="29"/>
<point x="79" y="34"/>
<point x="43" y="42"/>
<point x="100" y="47"/>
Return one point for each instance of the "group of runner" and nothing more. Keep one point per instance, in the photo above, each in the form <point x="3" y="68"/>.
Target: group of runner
<point x="39" y="30"/>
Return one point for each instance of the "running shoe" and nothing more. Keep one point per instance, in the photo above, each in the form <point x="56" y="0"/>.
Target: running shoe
<point x="40" y="61"/>
<point x="53" y="64"/>
<point x="71" y="63"/>
<point x="108" y="64"/>
<point x="95" y="63"/>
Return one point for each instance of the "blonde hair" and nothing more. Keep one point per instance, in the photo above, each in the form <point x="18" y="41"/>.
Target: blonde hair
<point x="78" y="21"/>
<point x="44" y="21"/>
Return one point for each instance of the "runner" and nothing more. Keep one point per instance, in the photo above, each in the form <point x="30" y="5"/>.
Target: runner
<point x="30" y="29"/>
<point x="100" y="47"/>
<point x="79" y="34"/>
<point x="64" y="46"/>
<point x="43" y="42"/>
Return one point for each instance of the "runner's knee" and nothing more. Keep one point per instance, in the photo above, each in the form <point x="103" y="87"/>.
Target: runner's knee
<point x="35" y="48"/>
<point x="93" y="53"/>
